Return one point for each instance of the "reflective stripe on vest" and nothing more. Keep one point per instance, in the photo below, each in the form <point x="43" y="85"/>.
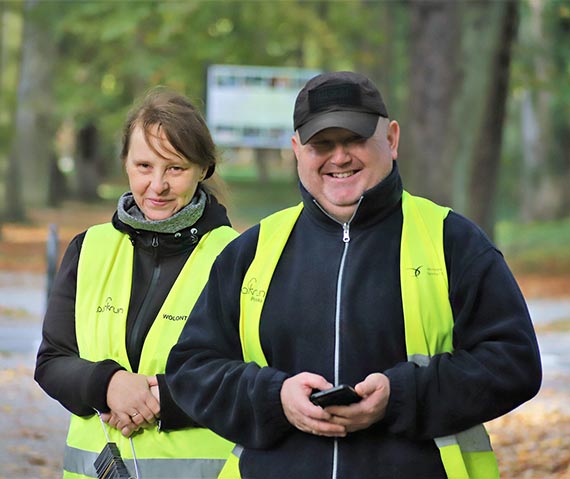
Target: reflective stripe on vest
<point x="428" y="329"/>
<point x="103" y="293"/>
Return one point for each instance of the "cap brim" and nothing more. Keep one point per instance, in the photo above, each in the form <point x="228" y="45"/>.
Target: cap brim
<point x="363" y="124"/>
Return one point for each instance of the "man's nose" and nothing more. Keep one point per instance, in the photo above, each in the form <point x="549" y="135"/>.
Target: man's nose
<point x="340" y="153"/>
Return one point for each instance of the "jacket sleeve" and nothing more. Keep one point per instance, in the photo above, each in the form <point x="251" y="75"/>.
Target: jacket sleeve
<point x="75" y="382"/>
<point x="495" y="365"/>
<point x="205" y="371"/>
<point x="172" y="417"/>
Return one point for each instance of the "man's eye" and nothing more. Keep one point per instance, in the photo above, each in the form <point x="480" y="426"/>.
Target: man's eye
<point x="322" y="145"/>
<point x="355" y="140"/>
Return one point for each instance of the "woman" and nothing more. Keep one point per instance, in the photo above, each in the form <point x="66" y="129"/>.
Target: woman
<point x="122" y="295"/>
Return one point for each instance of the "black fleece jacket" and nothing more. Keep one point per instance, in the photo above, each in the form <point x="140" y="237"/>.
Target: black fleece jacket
<point x="495" y="365"/>
<point x="81" y="385"/>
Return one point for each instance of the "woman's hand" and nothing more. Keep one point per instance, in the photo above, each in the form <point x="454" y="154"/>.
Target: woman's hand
<point x="132" y="404"/>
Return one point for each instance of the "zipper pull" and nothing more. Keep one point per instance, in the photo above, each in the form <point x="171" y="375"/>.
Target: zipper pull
<point x="345" y="232"/>
<point x="154" y="241"/>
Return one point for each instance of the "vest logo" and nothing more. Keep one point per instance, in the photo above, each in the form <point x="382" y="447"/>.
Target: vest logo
<point x="257" y="295"/>
<point x="108" y="307"/>
<point x="417" y="271"/>
<point x="171" y="317"/>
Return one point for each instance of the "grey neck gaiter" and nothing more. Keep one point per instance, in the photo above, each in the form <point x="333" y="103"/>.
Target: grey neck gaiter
<point x="130" y="214"/>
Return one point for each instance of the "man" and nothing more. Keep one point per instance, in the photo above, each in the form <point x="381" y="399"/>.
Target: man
<point x="361" y="284"/>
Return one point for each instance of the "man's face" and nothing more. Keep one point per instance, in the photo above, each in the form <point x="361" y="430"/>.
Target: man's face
<point x="337" y="166"/>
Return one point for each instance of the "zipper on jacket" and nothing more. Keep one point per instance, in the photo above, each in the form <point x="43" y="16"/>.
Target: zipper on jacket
<point x="138" y="323"/>
<point x="346" y="241"/>
<point x="345" y="232"/>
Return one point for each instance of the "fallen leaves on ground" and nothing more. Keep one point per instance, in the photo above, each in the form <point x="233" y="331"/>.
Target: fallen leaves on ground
<point x="533" y="442"/>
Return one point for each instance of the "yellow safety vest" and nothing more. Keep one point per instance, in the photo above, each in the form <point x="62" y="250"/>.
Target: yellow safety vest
<point x="104" y="281"/>
<point x="428" y="320"/>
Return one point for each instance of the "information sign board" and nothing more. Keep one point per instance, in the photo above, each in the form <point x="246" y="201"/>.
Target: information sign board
<point x="252" y="106"/>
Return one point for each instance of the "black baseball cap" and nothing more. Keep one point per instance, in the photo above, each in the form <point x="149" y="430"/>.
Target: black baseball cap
<point x="338" y="99"/>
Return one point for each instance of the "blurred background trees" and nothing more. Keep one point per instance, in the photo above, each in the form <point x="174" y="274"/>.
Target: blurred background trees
<point x="480" y="88"/>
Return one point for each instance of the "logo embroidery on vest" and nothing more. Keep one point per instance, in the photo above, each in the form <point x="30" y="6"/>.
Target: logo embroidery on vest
<point x="417" y="271"/>
<point x="257" y="295"/>
<point x="171" y="317"/>
<point x="108" y="307"/>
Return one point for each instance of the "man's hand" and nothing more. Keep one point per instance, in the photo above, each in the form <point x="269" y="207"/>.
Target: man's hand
<point x="301" y="412"/>
<point x="375" y="392"/>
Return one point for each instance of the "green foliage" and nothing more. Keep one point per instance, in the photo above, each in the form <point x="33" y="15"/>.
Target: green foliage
<point x="10" y="35"/>
<point x="536" y="246"/>
<point x="110" y="52"/>
<point x="543" y="67"/>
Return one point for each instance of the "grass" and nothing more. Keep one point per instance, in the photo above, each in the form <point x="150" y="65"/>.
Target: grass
<point x="251" y="201"/>
<point x="534" y="247"/>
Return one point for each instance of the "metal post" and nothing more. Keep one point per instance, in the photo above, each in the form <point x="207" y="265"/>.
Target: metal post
<point x="52" y="253"/>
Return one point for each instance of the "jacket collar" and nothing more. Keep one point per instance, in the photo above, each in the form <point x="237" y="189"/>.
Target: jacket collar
<point x="213" y="216"/>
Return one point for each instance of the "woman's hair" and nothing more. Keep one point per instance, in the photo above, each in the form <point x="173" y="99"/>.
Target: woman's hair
<point x="182" y="124"/>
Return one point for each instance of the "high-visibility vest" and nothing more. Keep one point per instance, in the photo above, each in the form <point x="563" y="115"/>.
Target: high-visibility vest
<point x="104" y="280"/>
<point x="428" y="319"/>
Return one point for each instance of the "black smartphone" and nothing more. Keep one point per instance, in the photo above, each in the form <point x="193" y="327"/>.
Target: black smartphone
<point x="342" y="395"/>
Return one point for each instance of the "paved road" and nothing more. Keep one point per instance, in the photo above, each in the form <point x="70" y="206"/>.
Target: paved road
<point x="34" y="425"/>
<point x="554" y="346"/>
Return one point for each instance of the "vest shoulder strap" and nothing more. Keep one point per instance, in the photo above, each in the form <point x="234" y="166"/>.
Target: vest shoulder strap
<point x="428" y="320"/>
<point x="274" y="232"/>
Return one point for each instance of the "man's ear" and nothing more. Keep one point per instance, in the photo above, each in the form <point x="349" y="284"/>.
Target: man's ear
<point x="393" y="137"/>
<point x="295" y="144"/>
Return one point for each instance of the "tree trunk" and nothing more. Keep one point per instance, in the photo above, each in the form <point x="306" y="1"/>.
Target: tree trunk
<point x="3" y="62"/>
<point x="87" y="162"/>
<point x="426" y="163"/>
<point x="536" y="192"/>
<point x="263" y="158"/>
<point x="487" y="153"/>
<point x="532" y="158"/>
<point x="31" y="151"/>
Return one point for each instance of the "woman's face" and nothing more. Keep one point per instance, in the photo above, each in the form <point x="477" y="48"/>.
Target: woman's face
<point x="161" y="184"/>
